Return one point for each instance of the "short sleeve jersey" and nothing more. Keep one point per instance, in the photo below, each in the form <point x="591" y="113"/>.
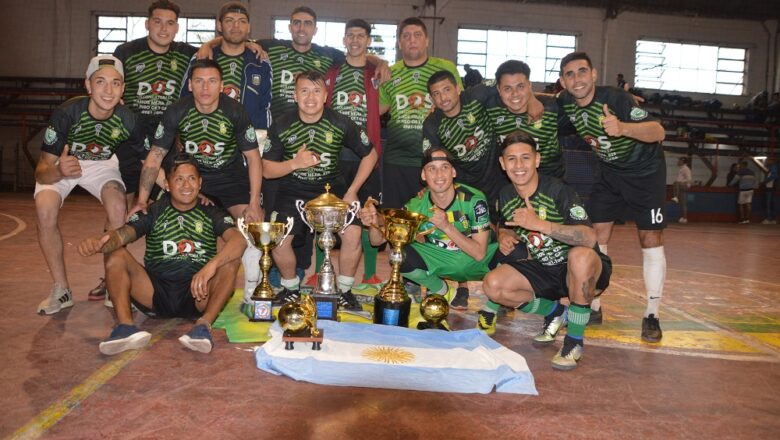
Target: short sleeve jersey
<point x="553" y="201"/>
<point x="179" y="243"/>
<point x="407" y="95"/>
<point x="468" y="213"/>
<point x="544" y="131"/>
<point x="89" y="138"/>
<point x="349" y="94"/>
<point x="232" y="68"/>
<point x="152" y="80"/>
<point x="215" y="140"/>
<point x="469" y="136"/>
<point x="287" y="62"/>
<point x="325" y="137"/>
<point x="622" y="155"/>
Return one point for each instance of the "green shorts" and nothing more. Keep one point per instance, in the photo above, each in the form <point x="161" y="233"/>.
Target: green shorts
<point x="454" y="265"/>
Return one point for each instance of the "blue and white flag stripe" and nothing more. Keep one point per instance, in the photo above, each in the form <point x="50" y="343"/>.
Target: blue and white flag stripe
<point x="393" y="357"/>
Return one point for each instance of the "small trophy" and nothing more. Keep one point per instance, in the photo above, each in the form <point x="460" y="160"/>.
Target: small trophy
<point x="392" y="303"/>
<point x="434" y="309"/>
<point x="264" y="236"/>
<point x="298" y="319"/>
<point x="327" y="214"/>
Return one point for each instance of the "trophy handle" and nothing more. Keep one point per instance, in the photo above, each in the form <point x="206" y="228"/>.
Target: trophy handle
<point x="354" y="207"/>
<point x="299" y="205"/>
<point x="242" y="228"/>
<point x="287" y="229"/>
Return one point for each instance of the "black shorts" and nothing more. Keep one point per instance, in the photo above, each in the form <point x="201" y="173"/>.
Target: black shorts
<point x="371" y="187"/>
<point x="550" y="281"/>
<point x="637" y="198"/>
<point x="172" y="299"/>
<point x="229" y="187"/>
<point x="287" y="198"/>
<point x="399" y="184"/>
<point x="520" y="252"/>
<point x="129" y="167"/>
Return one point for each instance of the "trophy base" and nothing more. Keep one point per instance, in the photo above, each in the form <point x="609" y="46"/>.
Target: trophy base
<point x="327" y="306"/>
<point x="392" y="313"/>
<point x="260" y="310"/>
<point x="428" y="325"/>
<point x="290" y="338"/>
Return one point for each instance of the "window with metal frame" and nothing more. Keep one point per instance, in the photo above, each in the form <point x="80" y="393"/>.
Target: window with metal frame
<point x="690" y="67"/>
<point x="115" y="30"/>
<point x="486" y="49"/>
<point x="331" y="33"/>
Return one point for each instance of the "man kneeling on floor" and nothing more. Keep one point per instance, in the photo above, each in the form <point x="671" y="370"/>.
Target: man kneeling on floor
<point x="564" y="260"/>
<point x="184" y="275"/>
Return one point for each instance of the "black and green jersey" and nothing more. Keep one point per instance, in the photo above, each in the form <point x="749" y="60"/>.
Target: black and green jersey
<point x="622" y="155"/>
<point x="216" y="140"/>
<point x="349" y="94"/>
<point x="89" y="138"/>
<point x="179" y="243"/>
<point x="152" y="80"/>
<point x="407" y="95"/>
<point x="544" y="131"/>
<point x="232" y="68"/>
<point x="325" y="137"/>
<point x="286" y="62"/>
<point x="553" y="201"/>
<point x="468" y="212"/>
<point x="469" y="137"/>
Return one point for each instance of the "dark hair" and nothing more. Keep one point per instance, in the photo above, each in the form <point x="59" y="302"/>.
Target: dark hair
<point x="518" y="137"/>
<point x="684" y="160"/>
<point x="574" y="56"/>
<point x="428" y="155"/>
<point x="236" y="7"/>
<point x="311" y="75"/>
<point x="358" y="23"/>
<point x="178" y="160"/>
<point x="165" y="4"/>
<point x="411" y="21"/>
<point x="512" y="67"/>
<point x="306" y="10"/>
<point x="205" y="63"/>
<point x="441" y="75"/>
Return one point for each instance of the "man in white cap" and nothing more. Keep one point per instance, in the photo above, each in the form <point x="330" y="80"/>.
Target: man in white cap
<point x="78" y="149"/>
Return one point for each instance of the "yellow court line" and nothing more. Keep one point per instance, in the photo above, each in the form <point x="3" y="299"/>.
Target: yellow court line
<point x="58" y="410"/>
<point x="20" y="226"/>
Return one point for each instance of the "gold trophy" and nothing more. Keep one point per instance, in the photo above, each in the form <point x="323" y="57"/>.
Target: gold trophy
<point x="392" y="303"/>
<point x="327" y="214"/>
<point x="434" y="309"/>
<point x="298" y="319"/>
<point x="264" y="236"/>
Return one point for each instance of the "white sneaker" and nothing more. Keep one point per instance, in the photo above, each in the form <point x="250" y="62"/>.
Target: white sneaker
<point x="766" y="222"/>
<point x="57" y="300"/>
<point x="683" y="220"/>
<point x="675" y="200"/>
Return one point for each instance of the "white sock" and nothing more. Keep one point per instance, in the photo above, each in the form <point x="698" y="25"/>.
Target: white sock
<point x="252" y="274"/>
<point x="603" y="248"/>
<point x="345" y="283"/>
<point x="654" y="271"/>
<point x="291" y="284"/>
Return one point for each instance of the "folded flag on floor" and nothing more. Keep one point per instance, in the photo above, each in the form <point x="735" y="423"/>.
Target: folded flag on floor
<point x="380" y="356"/>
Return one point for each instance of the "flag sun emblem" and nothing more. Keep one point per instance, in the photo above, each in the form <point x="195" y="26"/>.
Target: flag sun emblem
<point x="388" y="355"/>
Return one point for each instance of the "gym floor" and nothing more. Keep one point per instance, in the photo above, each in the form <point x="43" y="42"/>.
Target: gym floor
<point x="716" y="374"/>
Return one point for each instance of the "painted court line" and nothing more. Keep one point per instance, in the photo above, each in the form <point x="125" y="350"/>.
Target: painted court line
<point x="58" y="410"/>
<point x="20" y="226"/>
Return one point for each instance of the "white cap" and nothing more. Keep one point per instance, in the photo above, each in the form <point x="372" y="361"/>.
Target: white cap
<point x="100" y="61"/>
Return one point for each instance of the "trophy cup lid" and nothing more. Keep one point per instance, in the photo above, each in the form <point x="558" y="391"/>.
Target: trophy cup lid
<point x="327" y="200"/>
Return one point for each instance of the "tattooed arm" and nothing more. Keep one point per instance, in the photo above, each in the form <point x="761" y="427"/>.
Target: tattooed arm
<point x="149" y="174"/>
<point x="574" y="235"/>
<point x="108" y="242"/>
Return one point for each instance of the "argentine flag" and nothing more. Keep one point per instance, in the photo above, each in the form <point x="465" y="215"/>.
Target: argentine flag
<point x="381" y="356"/>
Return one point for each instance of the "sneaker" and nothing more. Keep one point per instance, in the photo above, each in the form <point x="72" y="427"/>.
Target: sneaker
<point x="347" y="301"/>
<point x="683" y="220"/>
<point x="552" y="324"/>
<point x="567" y="357"/>
<point x="198" y="339"/>
<point x="651" y="329"/>
<point x="675" y="200"/>
<point x="57" y="300"/>
<point x="108" y="303"/>
<point x="487" y="322"/>
<point x="596" y="317"/>
<point x="461" y="299"/>
<point x="98" y="292"/>
<point x="373" y="280"/>
<point x="286" y="296"/>
<point x="124" y="337"/>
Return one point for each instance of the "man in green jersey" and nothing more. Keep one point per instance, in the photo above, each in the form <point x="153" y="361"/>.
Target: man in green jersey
<point x="406" y="97"/>
<point x="549" y="218"/>
<point x="183" y="274"/>
<point x="458" y="243"/>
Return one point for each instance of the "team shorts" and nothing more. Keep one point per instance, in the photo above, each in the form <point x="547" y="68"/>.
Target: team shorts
<point x="549" y="282"/>
<point x="399" y="184"/>
<point x="452" y="265"/>
<point x="745" y="197"/>
<point x="641" y="199"/>
<point x="371" y="187"/>
<point x="229" y="187"/>
<point x="172" y="298"/>
<point x="520" y="252"/>
<point x="94" y="175"/>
